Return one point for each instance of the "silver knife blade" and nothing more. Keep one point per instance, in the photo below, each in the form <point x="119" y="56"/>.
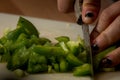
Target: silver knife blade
<point x="85" y="29"/>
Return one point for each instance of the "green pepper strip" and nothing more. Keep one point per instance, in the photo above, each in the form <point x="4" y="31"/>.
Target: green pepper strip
<point x="49" y="50"/>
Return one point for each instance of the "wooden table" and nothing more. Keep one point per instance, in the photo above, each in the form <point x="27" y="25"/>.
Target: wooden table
<point x="36" y="8"/>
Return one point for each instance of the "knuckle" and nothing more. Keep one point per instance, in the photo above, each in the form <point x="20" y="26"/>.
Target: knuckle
<point x="105" y="17"/>
<point x="106" y="39"/>
<point x="105" y="13"/>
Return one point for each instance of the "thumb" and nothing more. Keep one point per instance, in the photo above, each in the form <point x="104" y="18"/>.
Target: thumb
<point x="90" y="10"/>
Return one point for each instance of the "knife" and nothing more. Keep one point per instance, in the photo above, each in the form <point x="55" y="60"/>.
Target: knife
<point x="85" y="29"/>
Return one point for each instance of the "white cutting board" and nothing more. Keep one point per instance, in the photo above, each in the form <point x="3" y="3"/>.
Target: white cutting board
<point x="49" y="29"/>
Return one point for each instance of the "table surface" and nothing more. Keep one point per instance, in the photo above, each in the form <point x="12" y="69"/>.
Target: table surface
<point x="36" y="8"/>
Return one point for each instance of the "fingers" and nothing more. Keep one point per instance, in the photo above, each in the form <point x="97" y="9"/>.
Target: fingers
<point x="90" y="10"/>
<point x="107" y="16"/>
<point x="109" y="36"/>
<point x="107" y="28"/>
<point x="65" y="5"/>
<point x="112" y="59"/>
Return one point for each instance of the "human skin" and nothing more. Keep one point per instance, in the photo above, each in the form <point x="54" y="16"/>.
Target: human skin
<point x="107" y="29"/>
<point x="88" y="7"/>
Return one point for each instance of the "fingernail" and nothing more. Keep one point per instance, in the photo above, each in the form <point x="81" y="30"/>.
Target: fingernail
<point x="95" y="47"/>
<point x="89" y="14"/>
<point x="106" y="62"/>
<point x="79" y="21"/>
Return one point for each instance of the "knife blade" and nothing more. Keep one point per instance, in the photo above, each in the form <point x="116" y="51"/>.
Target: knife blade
<point x="85" y="29"/>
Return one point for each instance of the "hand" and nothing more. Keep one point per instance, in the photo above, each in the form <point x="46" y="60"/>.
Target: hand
<point x="106" y="33"/>
<point x="90" y="8"/>
<point x="107" y="30"/>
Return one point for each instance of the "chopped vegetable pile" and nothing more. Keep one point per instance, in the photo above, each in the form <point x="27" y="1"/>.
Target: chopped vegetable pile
<point x="25" y="51"/>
